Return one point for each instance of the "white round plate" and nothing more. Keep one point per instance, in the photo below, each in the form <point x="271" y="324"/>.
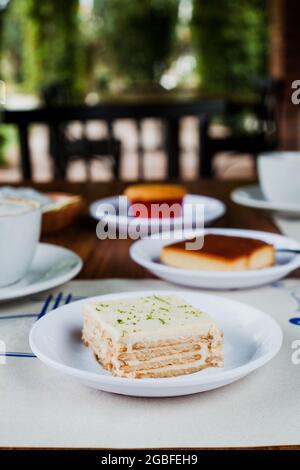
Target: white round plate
<point x="251" y="338"/>
<point x="51" y="266"/>
<point x="146" y="252"/>
<point x="252" y="196"/>
<point x="213" y="209"/>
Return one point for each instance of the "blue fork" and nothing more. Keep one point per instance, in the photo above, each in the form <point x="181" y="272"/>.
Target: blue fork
<point x="58" y="300"/>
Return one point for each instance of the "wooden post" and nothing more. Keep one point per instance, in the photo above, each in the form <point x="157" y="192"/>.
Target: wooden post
<point x="25" y="152"/>
<point x="285" y="65"/>
<point x="172" y="146"/>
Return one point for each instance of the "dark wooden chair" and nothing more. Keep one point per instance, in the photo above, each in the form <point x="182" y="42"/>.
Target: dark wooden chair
<point x="64" y="150"/>
<point x="170" y="111"/>
<point x="265" y="138"/>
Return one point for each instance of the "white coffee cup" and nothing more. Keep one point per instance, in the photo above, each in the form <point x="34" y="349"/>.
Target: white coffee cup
<point x="279" y="176"/>
<point x="20" y="224"/>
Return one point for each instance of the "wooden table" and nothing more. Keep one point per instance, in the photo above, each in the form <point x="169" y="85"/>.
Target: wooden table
<point x="110" y="258"/>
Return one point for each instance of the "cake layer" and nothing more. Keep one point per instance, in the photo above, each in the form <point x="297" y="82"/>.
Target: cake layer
<point x="171" y="370"/>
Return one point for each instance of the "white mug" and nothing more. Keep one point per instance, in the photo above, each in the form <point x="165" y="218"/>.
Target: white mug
<point x="20" y="224"/>
<point x="279" y="176"/>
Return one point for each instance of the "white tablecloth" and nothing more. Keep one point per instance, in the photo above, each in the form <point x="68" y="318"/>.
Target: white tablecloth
<point x="41" y="407"/>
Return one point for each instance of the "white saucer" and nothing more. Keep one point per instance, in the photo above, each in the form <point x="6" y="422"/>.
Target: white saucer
<point x="252" y="196"/>
<point x="52" y="266"/>
<point x="146" y="252"/>
<point x="213" y="209"/>
<point x="251" y="339"/>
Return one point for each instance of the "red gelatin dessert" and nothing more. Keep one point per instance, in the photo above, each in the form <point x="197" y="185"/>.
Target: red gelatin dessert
<point x="155" y="200"/>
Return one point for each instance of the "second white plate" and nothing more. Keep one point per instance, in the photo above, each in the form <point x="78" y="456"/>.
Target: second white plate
<point x="107" y="209"/>
<point x="251" y="339"/>
<point x="146" y="252"/>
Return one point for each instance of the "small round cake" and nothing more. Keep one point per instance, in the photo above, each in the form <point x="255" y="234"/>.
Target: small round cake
<point x="155" y="200"/>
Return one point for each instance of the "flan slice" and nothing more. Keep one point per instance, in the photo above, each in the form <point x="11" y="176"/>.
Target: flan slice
<point x="155" y="200"/>
<point x="152" y="336"/>
<point x="220" y="253"/>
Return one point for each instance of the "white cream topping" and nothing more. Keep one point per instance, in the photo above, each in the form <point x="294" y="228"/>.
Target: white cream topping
<point x="150" y="318"/>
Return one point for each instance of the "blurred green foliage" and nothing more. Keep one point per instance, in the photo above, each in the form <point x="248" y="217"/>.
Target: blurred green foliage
<point x="49" y="42"/>
<point x="2" y="130"/>
<point x="2" y="13"/>
<point x="53" y="52"/>
<point x="138" y="36"/>
<point x="13" y="41"/>
<point x="53" y="41"/>
<point x="230" y="38"/>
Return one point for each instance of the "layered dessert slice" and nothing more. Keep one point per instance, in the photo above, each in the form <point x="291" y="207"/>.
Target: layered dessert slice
<point x="155" y="200"/>
<point x="220" y="253"/>
<point x="152" y="336"/>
